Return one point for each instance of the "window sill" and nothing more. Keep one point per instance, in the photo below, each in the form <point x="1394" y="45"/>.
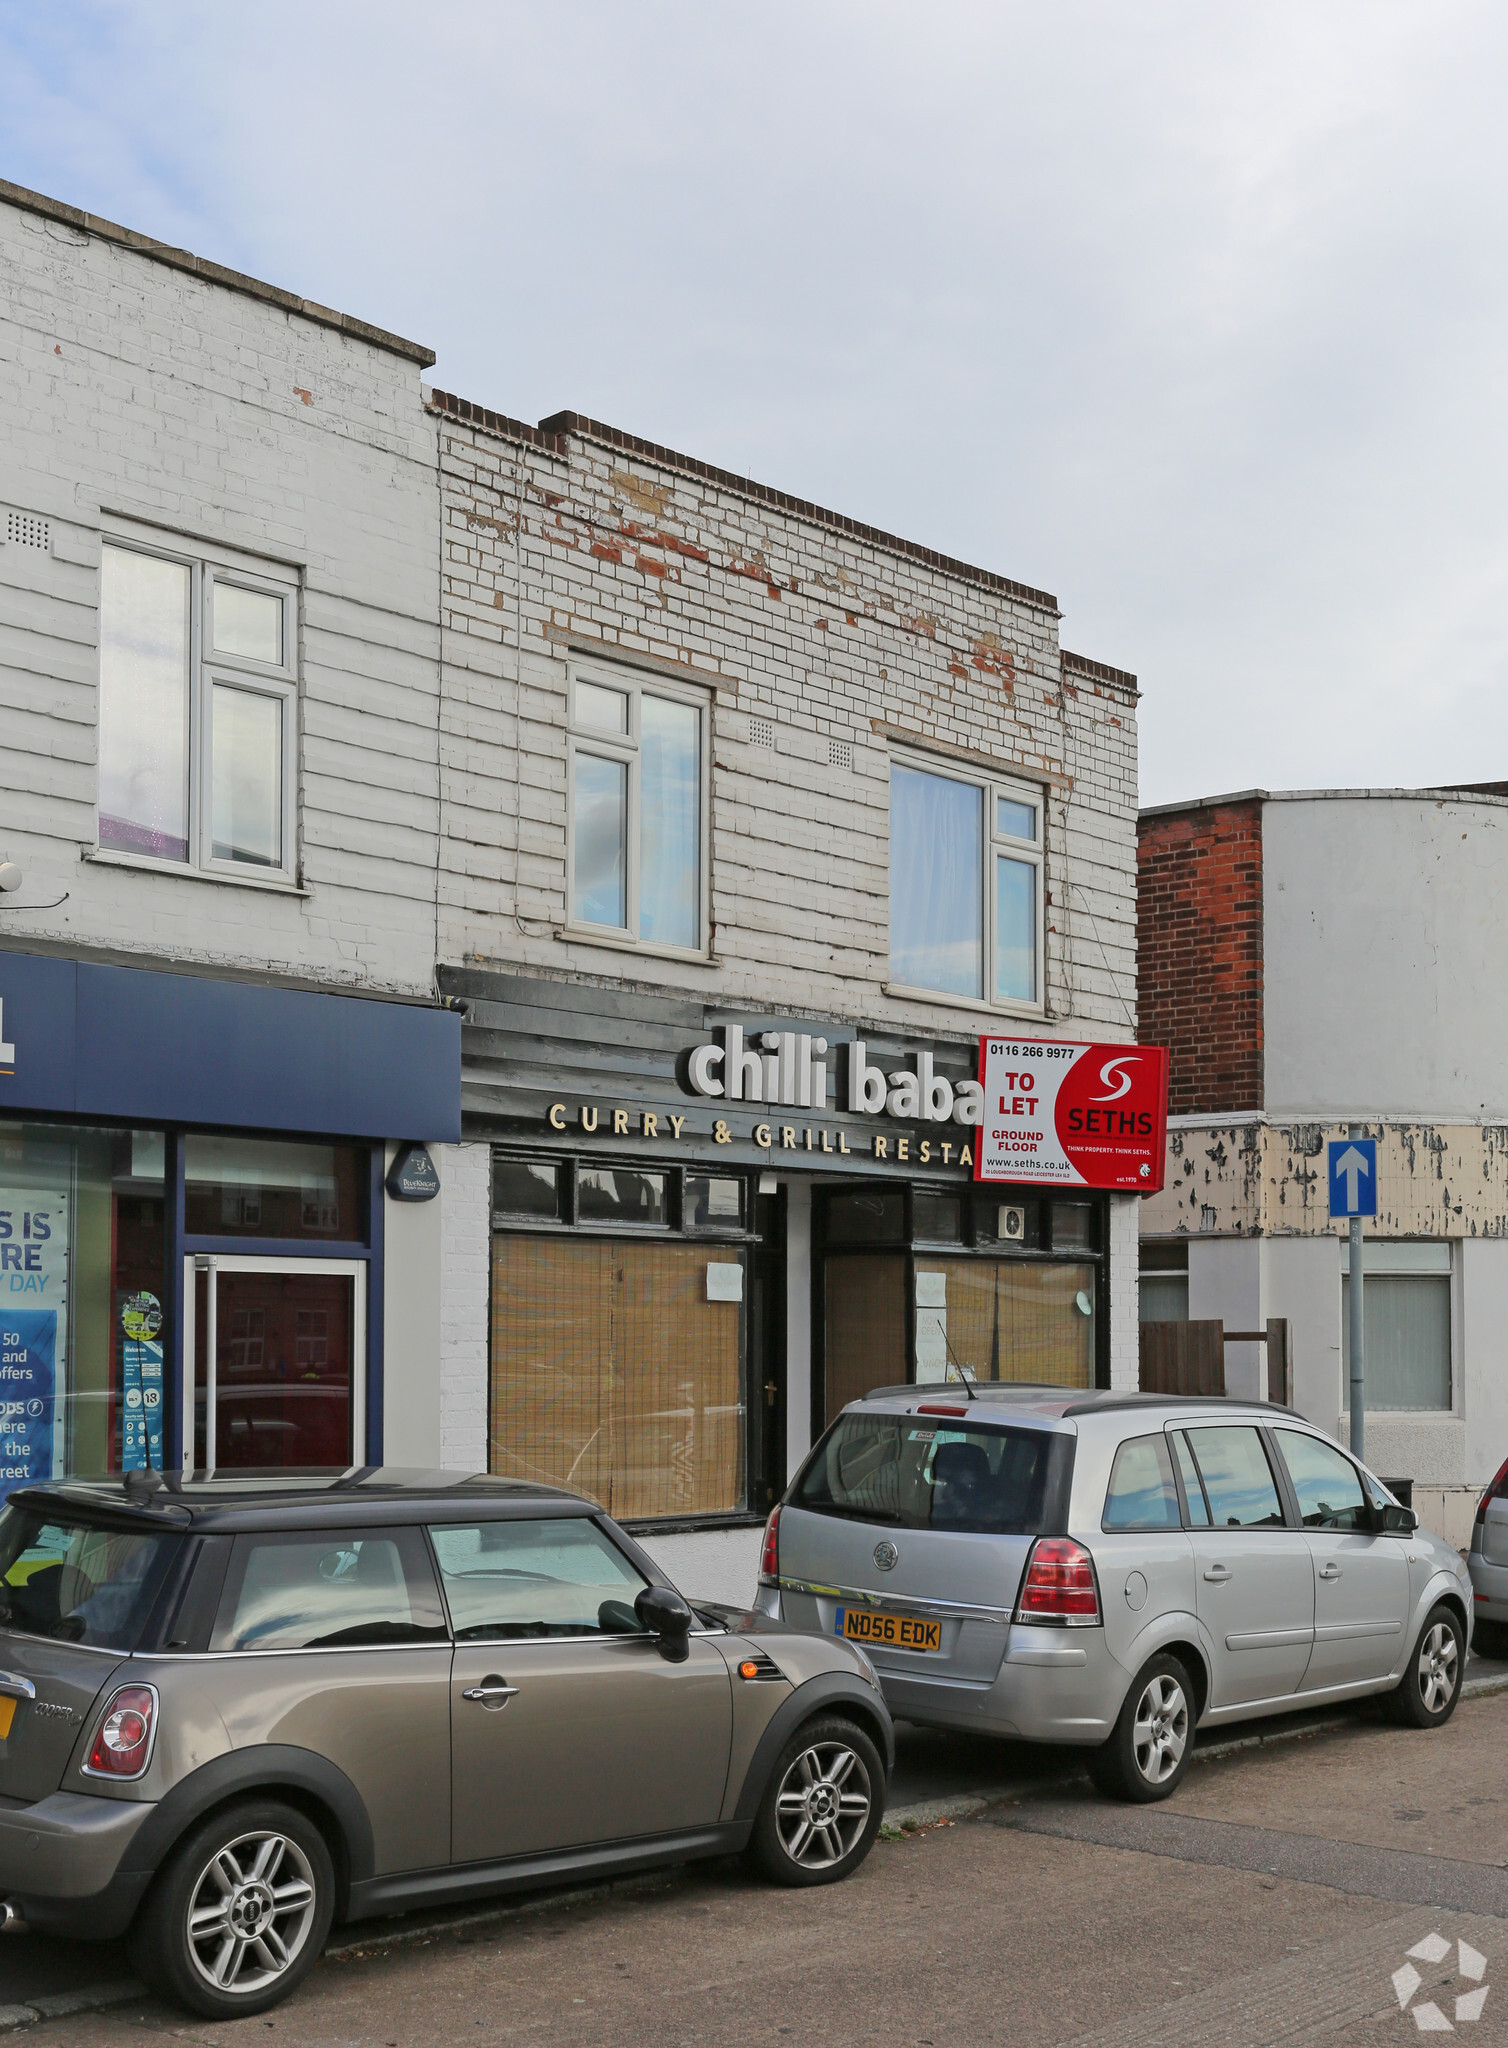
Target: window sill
<point x="1412" y="1415"/>
<point x="597" y="935"/>
<point x="692" y="1525"/>
<point x="143" y="863"/>
<point x="1035" y="1013"/>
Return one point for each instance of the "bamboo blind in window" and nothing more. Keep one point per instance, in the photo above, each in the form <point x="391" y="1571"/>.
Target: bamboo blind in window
<point x="864" y="1325"/>
<point x="1011" y="1319"/>
<point x="613" y="1374"/>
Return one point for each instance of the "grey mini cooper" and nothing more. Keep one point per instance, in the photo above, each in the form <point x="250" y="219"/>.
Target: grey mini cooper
<point x="232" y="1712"/>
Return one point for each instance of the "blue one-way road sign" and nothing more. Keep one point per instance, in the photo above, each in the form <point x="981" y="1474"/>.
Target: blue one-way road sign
<point x="1353" y="1176"/>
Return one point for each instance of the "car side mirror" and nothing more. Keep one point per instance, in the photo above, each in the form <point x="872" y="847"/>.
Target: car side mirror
<point x="1395" y="1521"/>
<point x="667" y="1617"/>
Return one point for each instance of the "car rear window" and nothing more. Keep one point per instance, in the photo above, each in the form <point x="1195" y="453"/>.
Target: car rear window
<point x="1141" y="1494"/>
<point x="78" y="1581"/>
<point x="341" y="1589"/>
<point x="913" y="1473"/>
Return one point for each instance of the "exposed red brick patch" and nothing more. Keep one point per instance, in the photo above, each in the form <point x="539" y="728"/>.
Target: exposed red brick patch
<point x="1199" y="948"/>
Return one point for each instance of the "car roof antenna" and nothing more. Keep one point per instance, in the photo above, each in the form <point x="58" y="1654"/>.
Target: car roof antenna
<point x="144" y="1480"/>
<point x="968" y="1384"/>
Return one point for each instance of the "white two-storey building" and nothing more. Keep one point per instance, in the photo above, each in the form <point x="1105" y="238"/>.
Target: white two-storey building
<point x="219" y="806"/>
<point x="649" y="845"/>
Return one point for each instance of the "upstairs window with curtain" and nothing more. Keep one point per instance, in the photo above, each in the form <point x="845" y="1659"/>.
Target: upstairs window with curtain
<point x="966" y="886"/>
<point x="198" y="731"/>
<point x="638" y="819"/>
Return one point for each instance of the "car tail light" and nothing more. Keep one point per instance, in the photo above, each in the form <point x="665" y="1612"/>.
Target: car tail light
<point x="769" y="1559"/>
<point x="122" y="1744"/>
<point x="1059" y="1583"/>
<point x="936" y="1408"/>
<point x="1494" y="1492"/>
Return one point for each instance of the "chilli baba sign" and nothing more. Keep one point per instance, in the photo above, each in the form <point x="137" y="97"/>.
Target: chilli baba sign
<point x="1065" y="1114"/>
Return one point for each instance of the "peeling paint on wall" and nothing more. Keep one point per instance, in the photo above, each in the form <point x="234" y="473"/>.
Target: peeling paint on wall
<point x="1256" y="1179"/>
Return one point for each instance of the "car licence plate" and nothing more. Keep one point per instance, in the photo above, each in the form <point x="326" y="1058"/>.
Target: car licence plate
<point x="891" y="1631"/>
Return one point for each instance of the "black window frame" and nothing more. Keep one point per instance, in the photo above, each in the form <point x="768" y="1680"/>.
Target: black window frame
<point x="568" y="1220"/>
<point x="761" y="1229"/>
<point x="979" y="1243"/>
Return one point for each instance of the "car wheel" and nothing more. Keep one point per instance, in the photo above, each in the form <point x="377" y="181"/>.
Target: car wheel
<point x="237" y="1917"/>
<point x="822" y="1807"/>
<point x="1153" y="1738"/>
<point x="1431" y="1683"/>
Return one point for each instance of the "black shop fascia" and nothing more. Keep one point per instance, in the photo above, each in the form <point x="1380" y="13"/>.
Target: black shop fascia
<point x="763" y="1090"/>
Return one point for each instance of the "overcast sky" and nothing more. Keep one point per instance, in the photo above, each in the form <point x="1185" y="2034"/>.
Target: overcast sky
<point x="1192" y="314"/>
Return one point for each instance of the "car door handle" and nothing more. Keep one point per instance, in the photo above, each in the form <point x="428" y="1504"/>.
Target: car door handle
<point x="1218" y="1574"/>
<point x="1331" y="1571"/>
<point x="493" y="1692"/>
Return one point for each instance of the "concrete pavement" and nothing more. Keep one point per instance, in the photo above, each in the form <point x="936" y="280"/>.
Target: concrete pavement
<point x="1271" y="1901"/>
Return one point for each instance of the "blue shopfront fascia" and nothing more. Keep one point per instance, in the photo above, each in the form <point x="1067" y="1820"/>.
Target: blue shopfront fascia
<point x="130" y="1046"/>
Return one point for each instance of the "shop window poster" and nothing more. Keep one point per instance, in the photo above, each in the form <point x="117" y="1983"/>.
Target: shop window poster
<point x="141" y="1383"/>
<point x="33" y="1331"/>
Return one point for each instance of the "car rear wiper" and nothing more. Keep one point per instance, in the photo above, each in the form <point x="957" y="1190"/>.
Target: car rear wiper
<point x="886" y="1515"/>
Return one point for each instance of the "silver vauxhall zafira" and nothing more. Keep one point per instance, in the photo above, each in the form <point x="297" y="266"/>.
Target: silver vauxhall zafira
<point x="1112" y="1570"/>
<point x="232" y="1711"/>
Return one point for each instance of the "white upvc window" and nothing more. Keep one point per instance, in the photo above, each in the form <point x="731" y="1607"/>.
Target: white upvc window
<point x="198" y="712"/>
<point x="967" y="890"/>
<point x="1407" y="1316"/>
<point x="637" y="789"/>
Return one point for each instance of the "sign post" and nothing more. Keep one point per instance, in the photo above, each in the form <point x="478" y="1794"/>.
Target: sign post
<point x="1353" y="1194"/>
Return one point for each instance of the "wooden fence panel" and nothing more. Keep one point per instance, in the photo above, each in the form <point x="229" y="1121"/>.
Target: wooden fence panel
<point x="1183" y="1358"/>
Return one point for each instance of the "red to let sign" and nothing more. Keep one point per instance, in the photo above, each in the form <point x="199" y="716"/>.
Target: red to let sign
<point x="1070" y="1115"/>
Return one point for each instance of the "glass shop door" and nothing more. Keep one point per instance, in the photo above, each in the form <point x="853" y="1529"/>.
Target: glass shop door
<point x="274" y="1367"/>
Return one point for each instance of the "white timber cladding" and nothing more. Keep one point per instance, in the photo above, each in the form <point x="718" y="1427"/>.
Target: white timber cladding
<point x="558" y="547"/>
<point x="138" y="395"/>
<point x="465" y="1293"/>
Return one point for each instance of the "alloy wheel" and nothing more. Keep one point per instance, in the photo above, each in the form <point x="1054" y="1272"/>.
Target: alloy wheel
<point x="1160" y="1731"/>
<point x="1438" y="1658"/>
<point x="250" y="1912"/>
<point x="822" y="1807"/>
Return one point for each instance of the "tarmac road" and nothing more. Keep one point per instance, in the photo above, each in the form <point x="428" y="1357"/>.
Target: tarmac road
<point x="1275" y="1900"/>
<point x="936" y="1775"/>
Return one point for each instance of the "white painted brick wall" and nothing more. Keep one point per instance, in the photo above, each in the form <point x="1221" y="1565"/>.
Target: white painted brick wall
<point x="133" y="388"/>
<point x="465" y="1248"/>
<point x="710" y="1564"/>
<point x="821" y="632"/>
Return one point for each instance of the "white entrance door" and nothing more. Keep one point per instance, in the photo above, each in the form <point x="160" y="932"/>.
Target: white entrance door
<point x="274" y="1364"/>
